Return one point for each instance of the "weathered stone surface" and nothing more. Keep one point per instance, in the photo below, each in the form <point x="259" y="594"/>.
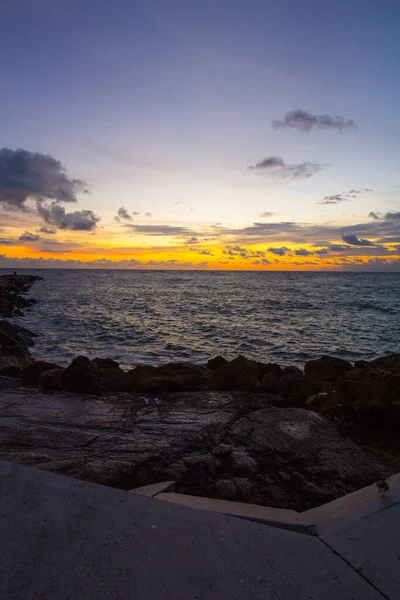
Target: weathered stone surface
<point x="326" y="367"/>
<point x="292" y="458"/>
<point x="30" y="375"/>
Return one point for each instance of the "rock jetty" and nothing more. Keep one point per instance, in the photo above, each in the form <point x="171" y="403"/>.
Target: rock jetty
<point x="241" y="429"/>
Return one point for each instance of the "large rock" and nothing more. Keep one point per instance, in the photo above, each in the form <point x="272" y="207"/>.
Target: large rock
<point x="216" y="363"/>
<point x="81" y="376"/>
<point x="238" y="374"/>
<point x="390" y="362"/>
<point x="291" y="458"/>
<point x="172" y="377"/>
<point x="30" y="375"/>
<point x="326" y="368"/>
<point x="14" y="340"/>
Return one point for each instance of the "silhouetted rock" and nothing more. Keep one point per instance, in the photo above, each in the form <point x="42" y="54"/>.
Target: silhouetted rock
<point x="105" y="363"/>
<point x="80" y="376"/>
<point x="391" y="363"/>
<point x="216" y="363"/>
<point x="172" y="377"/>
<point x="295" y="388"/>
<point x="30" y="375"/>
<point x="269" y="383"/>
<point x="293" y="371"/>
<point x="326" y="367"/>
<point x="239" y="374"/>
<point x="51" y="380"/>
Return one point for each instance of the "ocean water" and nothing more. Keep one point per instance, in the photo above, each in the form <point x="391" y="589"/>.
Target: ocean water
<point x="152" y="317"/>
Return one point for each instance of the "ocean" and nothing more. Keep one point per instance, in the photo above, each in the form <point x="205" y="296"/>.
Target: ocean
<point x="153" y="317"/>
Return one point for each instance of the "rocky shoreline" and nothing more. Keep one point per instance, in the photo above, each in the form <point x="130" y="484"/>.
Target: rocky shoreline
<point x="243" y="429"/>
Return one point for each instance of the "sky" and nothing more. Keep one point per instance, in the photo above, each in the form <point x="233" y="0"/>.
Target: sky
<point x="241" y="134"/>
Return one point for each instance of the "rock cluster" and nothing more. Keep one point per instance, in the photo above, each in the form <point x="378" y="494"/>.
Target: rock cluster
<point x="331" y="386"/>
<point x="231" y="445"/>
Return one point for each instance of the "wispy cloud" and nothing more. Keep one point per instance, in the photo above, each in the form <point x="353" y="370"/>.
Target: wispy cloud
<point x="276" y="167"/>
<point x="333" y="199"/>
<point x="304" y="121"/>
<point x="266" y="214"/>
<point x="164" y="230"/>
<point x="375" y="215"/>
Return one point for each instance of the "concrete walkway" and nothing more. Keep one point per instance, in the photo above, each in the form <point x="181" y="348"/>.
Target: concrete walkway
<point x="67" y="539"/>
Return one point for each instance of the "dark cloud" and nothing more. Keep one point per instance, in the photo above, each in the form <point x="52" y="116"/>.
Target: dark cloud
<point x="80" y="220"/>
<point x="27" y="236"/>
<point x="207" y="252"/>
<point x="267" y="214"/>
<point x="374" y="215"/>
<point x="47" y="230"/>
<point x="322" y="251"/>
<point x="277" y="167"/>
<point x="392" y="216"/>
<point x="148" y="214"/>
<point x="192" y="240"/>
<point x="279" y="251"/>
<point x="303" y="252"/>
<point x="367" y="190"/>
<point x="135" y="214"/>
<point x="233" y="251"/>
<point x="7" y="242"/>
<point x="123" y="215"/>
<point x="353" y="240"/>
<point x="160" y="230"/>
<point x="28" y="175"/>
<point x="303" y="121"/>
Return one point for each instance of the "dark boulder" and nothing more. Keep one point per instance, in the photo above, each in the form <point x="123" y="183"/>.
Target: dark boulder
<point x="216" y="363"/>
<point x="81" y="376"/>
<point x="391" y="363"/>
<point x="52" y="379"/>
<point x="105" y="363"/>
<point x="326" y="367"/>
<point x="172" y="377"/>
<point x="14" y="340"/>
<point x="295" y="371"/>
<point x="30" y="375"/>
<point x="295" y="389"/>
<point x="238" y="374"/>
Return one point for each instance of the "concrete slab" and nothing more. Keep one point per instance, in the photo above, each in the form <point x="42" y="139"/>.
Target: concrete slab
<point x="278" y="517"/>
<point x="358" y="505"/>
<point x="67" y="539"/>
<point x="372" y="546"/>
<point x="156" y="488"/>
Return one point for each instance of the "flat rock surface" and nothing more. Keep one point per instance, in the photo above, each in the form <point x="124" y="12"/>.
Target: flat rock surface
<point x="289" y="458"/>
<point x="65" y="539"/>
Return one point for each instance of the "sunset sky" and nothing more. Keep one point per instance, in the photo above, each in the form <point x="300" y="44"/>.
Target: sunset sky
<point x="212" y="135"/>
